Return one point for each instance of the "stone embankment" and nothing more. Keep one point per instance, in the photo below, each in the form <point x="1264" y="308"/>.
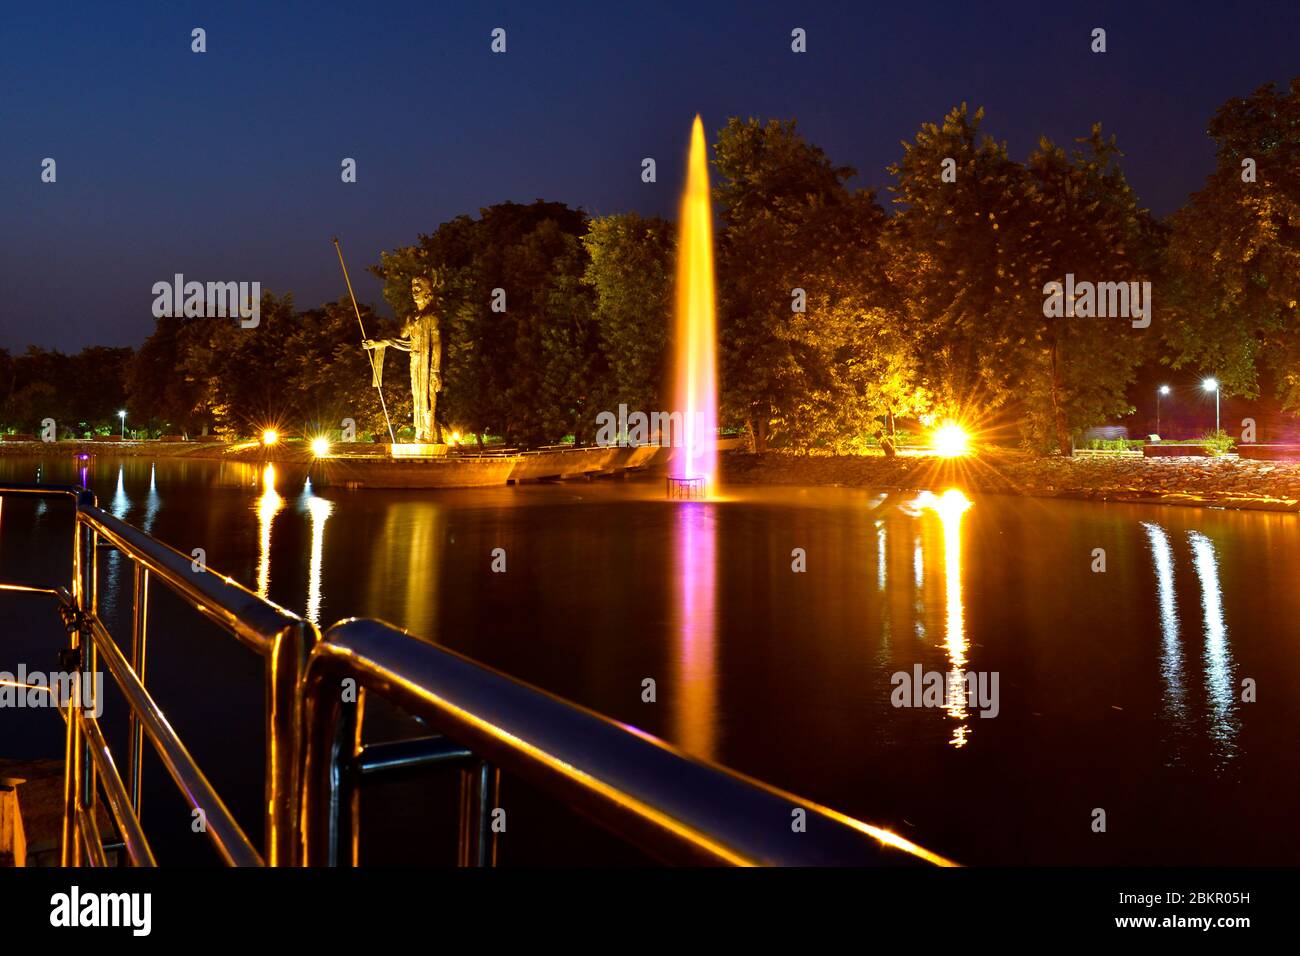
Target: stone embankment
<point x="1223" y="482"/>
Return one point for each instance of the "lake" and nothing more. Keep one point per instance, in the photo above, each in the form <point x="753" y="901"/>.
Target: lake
<point x="1118" y="690"/>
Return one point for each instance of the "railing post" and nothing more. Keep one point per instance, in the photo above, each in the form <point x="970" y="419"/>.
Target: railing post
<point x="286" y="662"/>
<point x="76" y="779"/>
<point x="330" y="731"/>
<point x="489" y="796"/>
<point x="479" y="794"/>
<point x="139" y="647"/>
<point x="69" y="852"/>
<point x="354" y="717"/>
<point x="90" y="661"/>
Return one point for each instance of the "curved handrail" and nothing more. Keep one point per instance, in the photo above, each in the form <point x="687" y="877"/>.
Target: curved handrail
<point x="675" y="807"/>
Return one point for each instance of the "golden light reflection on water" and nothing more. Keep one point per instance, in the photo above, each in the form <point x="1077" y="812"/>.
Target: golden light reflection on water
<point x="318" y="510"/>
<point x="405" y="564"/>
<point x="269" y="504"/>
<point x="950" y="507"/>
<point x="880" y="556"/>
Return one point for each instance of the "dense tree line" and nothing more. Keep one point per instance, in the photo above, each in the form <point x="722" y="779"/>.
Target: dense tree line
<point x="836" y="317"/>
<point x="82" y="393"/>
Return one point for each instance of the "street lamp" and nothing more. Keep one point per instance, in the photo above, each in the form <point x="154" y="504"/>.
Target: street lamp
<point x="1162" y="390"/>
<point x="122" y="415"/>
<point x="1210" y="385"/>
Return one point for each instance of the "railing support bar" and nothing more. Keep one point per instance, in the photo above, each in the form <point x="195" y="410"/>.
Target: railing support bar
<point x="139" y="648"/>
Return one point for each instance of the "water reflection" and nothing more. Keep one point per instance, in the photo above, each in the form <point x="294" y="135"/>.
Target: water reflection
<point x="880" y="556"/>
<point x="151" y="501"/>
<point x="1006" y="583"/>
<point x="268" y="506"/>
<point x="1171" y="657"/>
<point x="1217" y="659"/>
<point x="1218" y="656"/>
<point x="950" y="508"/>
<point x="121" y="504"/>
<point x="106" y="590"/>
<point x="405" y="566"/>
<point x="694" y="623"/>
<point x="318" y="510"/>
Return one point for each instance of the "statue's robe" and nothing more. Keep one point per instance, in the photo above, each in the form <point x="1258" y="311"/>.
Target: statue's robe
<point x="426" y="374"/>
<point x="421" y="338"/>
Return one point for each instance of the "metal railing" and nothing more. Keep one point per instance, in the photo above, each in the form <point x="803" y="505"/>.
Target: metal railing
<point x="651" y="795"/>
<point x="282" y="638"/>
<point x="678" y="809"/>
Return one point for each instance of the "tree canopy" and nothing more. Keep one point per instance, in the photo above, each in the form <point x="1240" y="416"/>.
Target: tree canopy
<point x="836" y="317"/>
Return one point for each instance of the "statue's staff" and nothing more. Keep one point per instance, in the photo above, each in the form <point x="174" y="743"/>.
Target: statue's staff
<point x="374" y="372"/>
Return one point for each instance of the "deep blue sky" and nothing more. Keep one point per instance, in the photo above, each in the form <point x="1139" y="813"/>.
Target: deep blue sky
<point x="225" y="166"/>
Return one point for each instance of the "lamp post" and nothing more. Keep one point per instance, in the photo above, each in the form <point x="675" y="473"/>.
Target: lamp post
<point x="1211" y="385"/>
<point x="122" y="415"/>
<point x="1162" y="390"/>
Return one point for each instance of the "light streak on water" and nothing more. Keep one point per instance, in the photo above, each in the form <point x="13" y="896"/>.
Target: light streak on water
<point x="1171" y="658"/>
<point x="695" y="622"/>
<point x="268" y="505"/>
<point x="318" y="510"/>
<point x="1218" y="654"/>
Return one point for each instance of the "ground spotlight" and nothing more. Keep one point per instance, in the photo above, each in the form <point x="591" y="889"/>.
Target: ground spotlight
<point x="950" y="441"/>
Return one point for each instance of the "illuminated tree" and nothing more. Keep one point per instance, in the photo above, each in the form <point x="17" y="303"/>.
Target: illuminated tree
<point x="1234" y="255"/>
<point x="810" y="343"/>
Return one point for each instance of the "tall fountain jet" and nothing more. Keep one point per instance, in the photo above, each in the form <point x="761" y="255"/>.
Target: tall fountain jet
<point x="696" y="391"/>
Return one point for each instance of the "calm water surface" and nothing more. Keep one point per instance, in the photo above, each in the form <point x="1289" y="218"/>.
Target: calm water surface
<point x="1119" y="690"/>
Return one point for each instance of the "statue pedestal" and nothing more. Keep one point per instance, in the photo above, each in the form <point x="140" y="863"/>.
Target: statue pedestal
<point x="418" y="450"/>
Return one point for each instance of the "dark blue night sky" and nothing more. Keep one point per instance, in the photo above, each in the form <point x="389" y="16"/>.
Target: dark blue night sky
<point x="225" y="166"/>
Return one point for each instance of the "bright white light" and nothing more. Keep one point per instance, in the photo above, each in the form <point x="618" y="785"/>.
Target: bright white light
<point x="320" y="447"/>
<point x="121" y="414"/>
<point x="270" y="436"/>
<point x="951" y="441"/>
<point x="1164" y="389"/>
<point x="1210" y="385"/>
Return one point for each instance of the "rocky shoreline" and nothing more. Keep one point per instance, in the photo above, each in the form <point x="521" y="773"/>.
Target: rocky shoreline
<point x="1224" y="482"/>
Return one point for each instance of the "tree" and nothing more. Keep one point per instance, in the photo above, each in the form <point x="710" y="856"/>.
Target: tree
<point x="241" y="372"/>
<point x="82" y="393"/>
<point x="1083" y="219"/>
<point x="810" y="341"/>
<point x="328" y="375"/>
<point x="96" y="380"/>
<point x="956" y="265"/>
<point x="1234" y="253"/>
<point x="494" y="360"/>
<point x="159" y="392"/>
<point x="630" y="270"/>
<point x="978" y="239"/>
